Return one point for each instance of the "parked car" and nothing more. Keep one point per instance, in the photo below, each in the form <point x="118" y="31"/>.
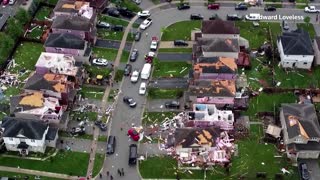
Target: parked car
<point x="102" y="24"/>
<point x="180" y="43"/>
<point x="241" y="6"/>
<point x="137" y="36"/>
<point x="117" y="28"/>
<point x="134" y="55"/>
<point x="111" y="145"/>
<point x="145" y="24"/>
<point x="100" y="62"/>
<point x="285" y="25"/>
<point x="214" y="17"/>
<point x="234" y="17"/>
<point x="5" y="2"/>
<point x="135" y="76"/>
<point x="130" y="101"/>
<point x="311" y="9"/>
<point x="154" y="43"/>
<point x="103" y="127"/>
<point x="133" y="154"/>
<point x="113" y="12"/>
<point x="144" y="14"/>
<point x="127" y="69"/>
<point x="137" y="1"/>
<point x="304" y="173"/>
<point x="142" y="88"/>
<point x="11" y="2"/>
<point x="196" y="17"/>
<point x="126" y="12"/>
<point x="172" y="104"/>
<point x="214" y="6"/>
<point x="183" y="6"/>
<point x="252" y="17"/>
<point x="270" y="8"/>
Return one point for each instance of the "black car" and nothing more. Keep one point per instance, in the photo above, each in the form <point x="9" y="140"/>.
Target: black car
<point x="130" y="101"/>
<point x="180" y="43"/>
<point x="304" y="173"/>
<point x="172" y="104"/>
<point x="241" y="6"/>
<point x="137" y="36"/>
<point x="134" y="55"/>
<point x="111" y="145"/>
<point x="103" y="126"/>
<point x="126" y="12"/>
<point x="214" y="17"/>
<point x="102" y="24"/>
<point x="196" y="17"/>
<point x="117" y="28"/>
<point x="234" y="17"/>
<point x="270" y="8"/>
<point x="127" y="70"/>
<point x="133" y="154"/>
<point x="113" y="12"/>
<point x="183" y="6"/>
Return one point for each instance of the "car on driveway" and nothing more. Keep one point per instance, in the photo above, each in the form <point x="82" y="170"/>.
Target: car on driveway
<point x="126" y="12"/>
<point x="144" y="14"/>
<point x="145" y="24"/>
<point x="180" y="43"/>
<point x="117" y="28"/>
<point x="127" y="69"/>
<point x="214" y="17"/>
<point x="130" y="101"/>
<point x="241" y="6"/>
<point x="103" y="127"/>
<point x="311" y="9"/>
<point x="285" y="25"/>
<point x="142" y="88"/>
<point x="234" y="17"/>
<point x="137" y="36"/>
<point x="113" y="12"/>
<point x="183" y="6"/>
<point x="172" y="104"/>
<point x="135" y="76"/>
<point x="11" y="2"/>
<point x="304" y="172"/>
<point x="111" y="145"/>
<point x="270" y="8"/>
<point x="100" y="62"/>
<point x="102" y="24"/>
<point x="134" y="55"/>
<point x="252" y="17"/>
<point x="196" y="17"/>
<point x="214" y="6"/>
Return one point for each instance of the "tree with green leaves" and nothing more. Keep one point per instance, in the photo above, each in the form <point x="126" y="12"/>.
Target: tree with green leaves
<point x="14" y="29"/>
<point x="22" y="16"/>
<point x="307" y="20"/>
<point x="6" y="45"/>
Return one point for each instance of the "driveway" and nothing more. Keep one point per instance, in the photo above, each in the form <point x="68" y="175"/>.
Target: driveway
<point x="157" y="105"/>
<point x="166" y="83"/>
<point x="112" y="44"/>
<point x="174" y="56"/>
<point x="313" y="167"/>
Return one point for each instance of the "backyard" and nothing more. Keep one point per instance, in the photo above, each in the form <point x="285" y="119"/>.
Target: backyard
<point x="92" y="116"/>
<point x="42" y="13"/>
<point x="106" y="53"/>
<point x="309" y="28"/>
<point x="35" y="33"/>
<point x="156" y="117"/>
<point x="170" y="69"/>
<point x="180" y="30"/>
<point x="95" y="70"/>
<point x="92" y="92"/>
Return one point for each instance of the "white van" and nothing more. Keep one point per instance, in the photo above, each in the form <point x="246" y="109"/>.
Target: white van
<point x="146" y="71"/>
<point x="253" y="17"/>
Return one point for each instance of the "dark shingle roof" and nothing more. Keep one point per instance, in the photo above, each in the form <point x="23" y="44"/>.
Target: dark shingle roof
<point x="219" y="44"/>
<point x="78" y="23"/>
<point x="216" y="88"/>
<point x="65" y="40"/>
<point x="297" y="42"/>
<point x="219" y="27"/>
<point x="52" y="133"/>
<point x="38" y="82"/>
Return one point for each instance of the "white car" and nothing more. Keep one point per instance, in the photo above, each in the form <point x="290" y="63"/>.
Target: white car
<point x="137" y="1"/>
<point x="311" y="9"/>
<point x="142" y="88"/>
<point x="154" y="45"/>
<point x="135" y="76"/>
<point x="252" y="17"/>
<point x="144" y="14"/>
<point x="11" y="2"/>
<point x="100" y="62"/>
<point x="146" y="23"/>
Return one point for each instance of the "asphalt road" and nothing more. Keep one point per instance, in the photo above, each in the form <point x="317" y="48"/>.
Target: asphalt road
<point x="8" y="11"/>
<point x="125" y="116"/>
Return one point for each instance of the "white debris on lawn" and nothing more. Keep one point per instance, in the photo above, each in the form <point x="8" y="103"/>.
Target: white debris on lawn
<point x="184" y="68"/>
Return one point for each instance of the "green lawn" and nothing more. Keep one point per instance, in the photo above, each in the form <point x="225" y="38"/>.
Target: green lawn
<point x="309" y="28"/>
<point x="43" y="12"/>
<point x="156" y="117"/>
<point x="107" y="53"/>
<point x="119" y="75"/>
<point x="53" y="2"/>
<point x="92" y="116"/>
<point x="22" y="176"/>
<point x="95" y="70"/>
<point x="112" y="94"/>
<point x="154" y="93"/>
<point x="170" y="69"/>
<point x="113" y="20"/>
<point x="65" y="162"/>
<point x="92" y="92"/>
<point x="113" y="35"/>
<point x="35" y="33"/>
<point x="103" y="138"/>
<point x="301" y="6"/>
<point x="180" y="30"/>
<point x="12" y="91"/>
<point x="26" y="56"/>
<point x="258" y="35"/>
<point x="129" y="4"/>
<point x="98" y="163"/>
<point x="125" y="56"/>
<point x="176" y="50"/>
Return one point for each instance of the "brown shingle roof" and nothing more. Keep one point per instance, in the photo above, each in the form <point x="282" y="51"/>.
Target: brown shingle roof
<point x="219" y="27"/>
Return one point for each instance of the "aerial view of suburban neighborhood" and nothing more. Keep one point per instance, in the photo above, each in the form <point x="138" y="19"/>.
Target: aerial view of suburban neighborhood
<point x="160" y="89"/>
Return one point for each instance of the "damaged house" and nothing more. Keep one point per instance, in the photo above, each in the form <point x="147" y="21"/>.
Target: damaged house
<point x="301" y="131"/>
<point x="36" y="106"/>
<point x="74" y="8"/>
<point x="26" y="135"/>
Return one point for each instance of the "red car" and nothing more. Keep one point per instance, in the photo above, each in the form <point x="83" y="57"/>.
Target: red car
<point x="214" y="6"/>
<point x="5" y="2"/>
<point x="134" y="134"/>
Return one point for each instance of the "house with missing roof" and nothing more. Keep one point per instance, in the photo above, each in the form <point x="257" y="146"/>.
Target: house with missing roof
<point x="52" y="85"/>
<point x="27" y="135"/>
<point x="36" y="106"/>
<point x="69" y="44"/>
<point x="301" y="131"/>
<point x="295" y="49"/>
<point x="77" y="25"/>
<point x="74" y="8"/>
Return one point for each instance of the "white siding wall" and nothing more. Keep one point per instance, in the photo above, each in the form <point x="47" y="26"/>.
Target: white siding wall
<point x="221" y="54"/>
<point x="221" y="36"/>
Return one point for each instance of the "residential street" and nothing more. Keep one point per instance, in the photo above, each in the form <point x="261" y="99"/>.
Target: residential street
<point x="124" y="117"/>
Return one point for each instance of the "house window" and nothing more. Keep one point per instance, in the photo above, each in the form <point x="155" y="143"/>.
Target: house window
<point x="32" y="140"/>
<point x="305" y="63"/>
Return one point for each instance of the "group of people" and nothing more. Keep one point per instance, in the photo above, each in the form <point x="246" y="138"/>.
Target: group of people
<point x="120" y="173"/>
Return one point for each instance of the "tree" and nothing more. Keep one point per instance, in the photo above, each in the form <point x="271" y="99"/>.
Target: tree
<point x="6" y="45"/>
<point x="22" y="16"/>
<point x="14" y="28"/>
<point x="307" y="20"/>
